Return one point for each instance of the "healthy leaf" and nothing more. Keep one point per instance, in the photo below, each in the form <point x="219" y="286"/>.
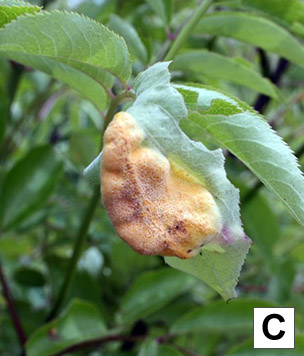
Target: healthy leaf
<point x="29" y="277"/>
<point x="219" y="316"/>
<point x="158" y="100"/>
<point x="11" y="9"/>
<point x="128" y="32"/>
<point x="251" y="139"/>
<point x="149" y="348"/>
<point x="254" y="30"/>
<point x="163" y="8"/>
<point x="245" y="349"/>
<point x="27" y="185"/>
<point x="216" y="66"/>
<point x="70" y="47"/>
<point x="80" y="322"/>
<point x="153" y="290"/>
<point x="254" y="213"/>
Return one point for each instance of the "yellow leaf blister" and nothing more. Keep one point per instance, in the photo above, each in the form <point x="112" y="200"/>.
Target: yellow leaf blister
<point x="155" y="205"/>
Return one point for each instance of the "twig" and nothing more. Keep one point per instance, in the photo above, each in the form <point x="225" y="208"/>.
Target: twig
<point x="11" y="309"/>
<point x="186" y="30"/>
<point x="78" y="248"/>
<point x="263" y="100"/>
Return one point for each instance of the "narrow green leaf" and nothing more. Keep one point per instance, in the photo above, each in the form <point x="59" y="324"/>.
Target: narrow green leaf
<point x="163" y="8"/>
<point x="251" y="139"/>
<point x="254" y="30"/>
<point x="233" y="317"/>
<point x="11" y="9"/>
<point x="59" y="41"/>
<point x="216" y="66"/>
<point x="80" y="322"/>
<point x="27" y="186"/>
<point x="29" y="277"/>
<point x="128" y="32"/>
<point x="151" y="291"/>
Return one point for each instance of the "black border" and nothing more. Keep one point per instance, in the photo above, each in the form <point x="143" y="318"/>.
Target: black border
<point x="294" y="331"/>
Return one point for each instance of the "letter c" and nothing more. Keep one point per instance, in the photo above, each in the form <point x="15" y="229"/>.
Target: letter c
<point x="265" y="326"/>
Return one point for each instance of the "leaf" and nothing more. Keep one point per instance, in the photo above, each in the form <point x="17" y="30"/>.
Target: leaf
<point x="149" y="348"/>
<point x="217" y="66"/>
<point x="234" y="317"/>
<point x="29" y="277"/>
<point x="80" y="322"/>
<point x="255" y="213"/>
<point x="254" y="30"/>
<point x="71" y="48"/>
<point x="151" y="291"/>
<point x="128" y="32"/>
<point x="217" y="267"/>
<point x="158" y="110"/>
<point x="245" y="349"/>
<point x="11" y="9"/>
<point x="164" y="350"/>
<point x="163" y="8"/>
<point x="251" y="139"/>
<point x="27" y="185"/>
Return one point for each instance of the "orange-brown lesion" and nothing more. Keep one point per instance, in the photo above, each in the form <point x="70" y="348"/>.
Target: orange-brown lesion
<point x="156" y="206"/>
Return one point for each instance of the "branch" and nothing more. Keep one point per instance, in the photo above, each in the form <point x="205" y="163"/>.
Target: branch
<point x="78" y="248"/>
<point x="11" y="309"/>
<point x="186" y="30"/>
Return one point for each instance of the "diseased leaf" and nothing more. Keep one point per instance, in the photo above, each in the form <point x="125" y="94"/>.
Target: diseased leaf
<point x="216" y="66"/>
<point x="70" y="47"/>
<point x="80" y="322"/>
<point x="128" y="32"/>
<point x="11" y="9"/>
<point x="254" y="30"/>
<point x="27" y="185"/>
<point x="251" y="139"/>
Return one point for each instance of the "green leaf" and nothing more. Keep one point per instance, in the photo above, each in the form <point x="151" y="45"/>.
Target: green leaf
<point x="233" y="317"/>
<point x="80" y="322"/>
<point x="149" y="348"/>
<point x="158" y="110"/>
<point x="255" y="213"/>
<point x="164" y="350"/>
<point x="252" y="140"/>
<point x="245" y="349"/>
<point x="128" y="32"/>
<point x="71" y="48"/>
<point x="163" y="8"/>
<point x="153" y="290"/>
<point x="29" y="277"/>
<point x="216" y="66"/>
<point x="219" y="267"/>
<point x="11" y="9"/>
<point x="27" y="185"/>
<point x="254" y="30"/>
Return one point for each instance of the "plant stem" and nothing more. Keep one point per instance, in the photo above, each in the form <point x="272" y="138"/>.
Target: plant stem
<point x="12" y="310"/>
<point x="78" y="248"/>
<point x="84" y="227"/>
<point x="186" y="30"/>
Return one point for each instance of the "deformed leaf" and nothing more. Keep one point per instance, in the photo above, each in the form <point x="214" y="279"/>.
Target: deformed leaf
<point x="80" y="322"/>
<point x="70" y="47"/>
<point x="11" y="9"/>
<point x="167" y="194"/>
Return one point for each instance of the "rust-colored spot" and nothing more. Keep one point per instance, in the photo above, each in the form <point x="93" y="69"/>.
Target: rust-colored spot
<point x="155" y="205"/>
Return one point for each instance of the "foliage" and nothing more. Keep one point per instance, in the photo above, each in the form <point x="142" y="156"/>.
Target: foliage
<point x="69" y="285"/>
